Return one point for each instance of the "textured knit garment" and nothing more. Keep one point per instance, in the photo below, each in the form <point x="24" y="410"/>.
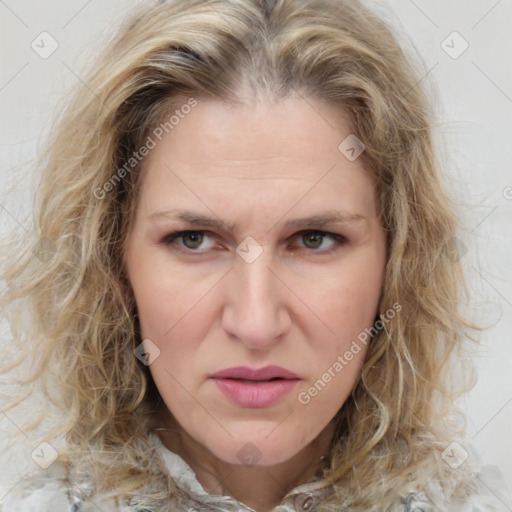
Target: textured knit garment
<point x="48" y="492"/>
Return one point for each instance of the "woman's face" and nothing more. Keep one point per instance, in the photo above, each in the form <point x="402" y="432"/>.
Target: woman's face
<point x="280" y="264"/>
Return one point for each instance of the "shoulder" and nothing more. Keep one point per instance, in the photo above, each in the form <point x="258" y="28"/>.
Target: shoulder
<point x="50" y="490"/>
<point x="54" y="490"/>
<point x="468" y="487"/>
<point x="43" y="491"/>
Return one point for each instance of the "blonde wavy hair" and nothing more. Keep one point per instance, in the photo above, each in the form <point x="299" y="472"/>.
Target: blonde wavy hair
<point x="69" y="303"/>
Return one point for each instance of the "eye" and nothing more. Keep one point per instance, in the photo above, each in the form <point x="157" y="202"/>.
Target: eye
<point x="320" y="242"/>
<point x="315" y="240"/>
<point x="190" y="239"/>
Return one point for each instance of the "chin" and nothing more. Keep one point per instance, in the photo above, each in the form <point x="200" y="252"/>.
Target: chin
<point x="253" y="450"/>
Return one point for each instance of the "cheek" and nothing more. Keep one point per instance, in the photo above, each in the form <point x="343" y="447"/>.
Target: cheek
<point x="347" y="301"/>
<point x="347" y="304"/>
<point x="166" y="300"/>
<point x="175" y="314"/>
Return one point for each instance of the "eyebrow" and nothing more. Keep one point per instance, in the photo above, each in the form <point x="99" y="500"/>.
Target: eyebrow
<point x="316" y="221"/>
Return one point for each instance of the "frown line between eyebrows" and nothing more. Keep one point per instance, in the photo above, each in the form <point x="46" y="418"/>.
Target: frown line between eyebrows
<point x="207" y="222"/>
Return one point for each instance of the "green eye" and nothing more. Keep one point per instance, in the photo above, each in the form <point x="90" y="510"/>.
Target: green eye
<point x="312" y="240"/>
<point x="198" y="242"/>
<point x="192" y="240"/>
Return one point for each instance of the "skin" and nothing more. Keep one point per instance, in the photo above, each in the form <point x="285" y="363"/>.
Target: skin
<point x="295" y="305"/>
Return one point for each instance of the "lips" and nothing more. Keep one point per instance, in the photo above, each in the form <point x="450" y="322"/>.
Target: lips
<point x="250" y="374"/>
<point x="247" y="387"/>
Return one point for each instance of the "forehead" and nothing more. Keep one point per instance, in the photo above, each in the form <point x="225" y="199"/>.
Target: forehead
<point x="291" y="128"/>
<point x="257" y="154"/>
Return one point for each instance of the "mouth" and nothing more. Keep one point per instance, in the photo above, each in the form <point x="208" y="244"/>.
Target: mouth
<point x="249" y="388"/>
<point x="267" y="373"/>
<point x="251" y="381"/>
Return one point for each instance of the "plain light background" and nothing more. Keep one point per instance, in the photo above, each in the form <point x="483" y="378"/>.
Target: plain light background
<point x="475" y="108"/>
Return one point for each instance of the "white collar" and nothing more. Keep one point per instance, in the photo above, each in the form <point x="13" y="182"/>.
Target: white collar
<point x="184" y="477"/>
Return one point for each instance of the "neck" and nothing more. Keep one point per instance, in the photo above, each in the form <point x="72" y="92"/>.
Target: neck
<point x="261" y="488"/>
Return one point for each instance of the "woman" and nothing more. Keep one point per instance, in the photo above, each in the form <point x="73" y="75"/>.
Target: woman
<point x="241" y="294"/>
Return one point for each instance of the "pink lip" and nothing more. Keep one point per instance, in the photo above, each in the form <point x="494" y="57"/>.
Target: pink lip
<point x="265" y="373"/>
<point x="248" y="387"/>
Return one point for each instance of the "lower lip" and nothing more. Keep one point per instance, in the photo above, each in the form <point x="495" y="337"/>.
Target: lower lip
<point x="260" y="394"/>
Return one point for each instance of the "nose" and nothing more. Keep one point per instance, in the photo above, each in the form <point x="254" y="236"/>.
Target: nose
<point x="257" y="310"/>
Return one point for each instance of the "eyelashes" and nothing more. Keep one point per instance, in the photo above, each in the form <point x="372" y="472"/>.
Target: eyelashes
<point x="194" y="236"/>
<point x="193" y="241"/>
